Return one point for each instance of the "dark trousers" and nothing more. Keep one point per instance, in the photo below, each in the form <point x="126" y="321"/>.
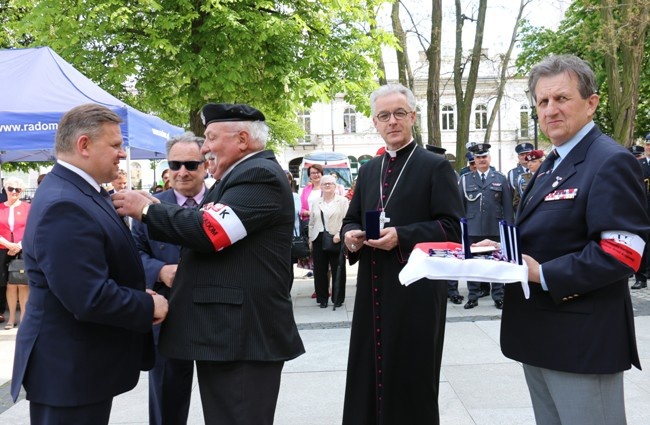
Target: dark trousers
<point x="170" y="390"/>
<point x="91" y="414"/>
<point x="324" y="262"/>
<point x="239" y="393"/>
<point x="642" y="274"/>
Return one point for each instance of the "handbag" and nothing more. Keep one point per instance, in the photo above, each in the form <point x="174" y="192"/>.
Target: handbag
<point x="17" y="273"/>
<point x="299" y="247"/>
<point x="327" y="240"/>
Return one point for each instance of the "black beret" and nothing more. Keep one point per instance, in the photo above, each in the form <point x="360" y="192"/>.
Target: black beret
<point x="217" y="112"/>
<point x="436" y="149"/>
<point x="524" y="147"/>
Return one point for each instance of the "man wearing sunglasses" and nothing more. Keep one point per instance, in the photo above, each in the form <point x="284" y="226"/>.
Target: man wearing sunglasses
<point x="170" y="380"/>
<point x="230" y="308"/>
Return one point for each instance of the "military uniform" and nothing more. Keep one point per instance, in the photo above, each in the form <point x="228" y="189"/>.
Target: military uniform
<point x="486" y="203"/>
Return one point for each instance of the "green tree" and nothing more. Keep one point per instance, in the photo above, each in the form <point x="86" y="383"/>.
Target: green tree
<point x="613" y="37"/>
<point x="172" y="56"/>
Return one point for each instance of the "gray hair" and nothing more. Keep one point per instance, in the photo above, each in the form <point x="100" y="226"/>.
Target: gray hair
<point x="87" y="119"/>
<point x="559" y="64"/>
<point x="327" y="179"/>
<point x="13" y="182"/>
<point x="258" y="131"/>
<point x="390" y="89"/>
<point x="187" y="137"/>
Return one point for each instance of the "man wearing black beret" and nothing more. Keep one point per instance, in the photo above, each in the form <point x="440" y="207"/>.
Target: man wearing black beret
<point x="230" y="308"/>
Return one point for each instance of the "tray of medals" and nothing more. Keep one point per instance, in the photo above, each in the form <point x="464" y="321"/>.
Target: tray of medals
<point x="444" y="261"/>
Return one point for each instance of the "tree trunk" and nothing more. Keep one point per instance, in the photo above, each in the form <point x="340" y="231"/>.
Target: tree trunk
<point x="433" y="86"/>
<point x="464" y="101"/>
<point x="625" y="38"/>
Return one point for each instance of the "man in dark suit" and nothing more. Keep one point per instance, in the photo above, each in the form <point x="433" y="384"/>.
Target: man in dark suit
<point x="170" y="380"/>
<point x="397" y="332"/>
<point x="87" y="331"/>
<point x="582" y="225"/>
<point x="230" y="308"/>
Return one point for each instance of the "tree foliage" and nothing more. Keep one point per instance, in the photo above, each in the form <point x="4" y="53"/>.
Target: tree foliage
<point x="613" y="37"/>
<point x="170" y="57"/>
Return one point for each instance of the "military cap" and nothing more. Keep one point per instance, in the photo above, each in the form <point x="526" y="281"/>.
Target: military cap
<point x="436" y="149"/>
<point x="469" y="156"/>
<point x="524" y="147"/>
<point x="218" y="112"/>
<point x="636" y="149"/>
<point x="535" y="154"/>
<point x="647" y="138"/>
<point x="479" y="149"/>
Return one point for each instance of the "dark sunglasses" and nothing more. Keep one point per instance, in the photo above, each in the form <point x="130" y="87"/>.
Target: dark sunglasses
<point x="14" y="189"/>
<point x="189" y="165"/>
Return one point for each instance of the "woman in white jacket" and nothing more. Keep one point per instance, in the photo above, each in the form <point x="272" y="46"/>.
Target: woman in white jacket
<point x="332" y="208"/>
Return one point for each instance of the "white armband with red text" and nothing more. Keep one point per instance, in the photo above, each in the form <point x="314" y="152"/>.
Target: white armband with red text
<point x="222" y="226"/>
<point x="626" y="247"/>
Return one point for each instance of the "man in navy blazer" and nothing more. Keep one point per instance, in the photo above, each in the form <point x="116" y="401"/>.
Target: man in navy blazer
<point x="170" y="380"/>
<point x="582" y="224"/>
<point x="230" y="307"/>
<point x="87" y="331"/>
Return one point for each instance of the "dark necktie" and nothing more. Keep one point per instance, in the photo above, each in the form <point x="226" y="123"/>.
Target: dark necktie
<point x="190" y="203"/>
<point x="482" y="178"/>
<point x="545" y="169"/>
<point x="106" y="196"/>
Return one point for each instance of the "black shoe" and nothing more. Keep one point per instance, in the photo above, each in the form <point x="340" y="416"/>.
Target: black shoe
<point x="470" y="304"/>
<point x="337" y="305"/>
<point x="639" y="284"/>
<point x="456" y="299"/>
<point x="482" y="293"/>
<point x="323" y="305"/>
<point x="499" y="304"/>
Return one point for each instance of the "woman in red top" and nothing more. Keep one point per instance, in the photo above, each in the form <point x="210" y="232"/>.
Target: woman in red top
<point x="13" y="216"/>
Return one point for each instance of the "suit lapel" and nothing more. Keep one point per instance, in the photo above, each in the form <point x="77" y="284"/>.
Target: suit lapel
<point x="555" y="180"/>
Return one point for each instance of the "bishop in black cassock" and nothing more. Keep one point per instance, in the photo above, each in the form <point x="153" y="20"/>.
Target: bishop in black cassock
<point x="397" y="331"/>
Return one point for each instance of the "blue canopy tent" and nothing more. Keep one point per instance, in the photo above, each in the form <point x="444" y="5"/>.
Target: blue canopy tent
<point x="37" y="87"/>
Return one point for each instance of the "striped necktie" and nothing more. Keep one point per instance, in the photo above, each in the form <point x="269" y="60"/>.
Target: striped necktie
<point x="190" y="203"/>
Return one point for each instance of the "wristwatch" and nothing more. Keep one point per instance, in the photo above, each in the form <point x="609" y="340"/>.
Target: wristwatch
<point x="143" y="213"/>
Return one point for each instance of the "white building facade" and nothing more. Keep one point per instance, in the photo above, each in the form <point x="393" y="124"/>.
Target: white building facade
<point x="336" y="126"/>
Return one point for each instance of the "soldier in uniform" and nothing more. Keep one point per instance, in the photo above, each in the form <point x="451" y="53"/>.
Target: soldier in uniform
<point x="534" y="159"/>
<point x="643" y="154"/>
<point x="470" y="164"/>
<point x="522" y="149"/>
<point x="487" y="198"/>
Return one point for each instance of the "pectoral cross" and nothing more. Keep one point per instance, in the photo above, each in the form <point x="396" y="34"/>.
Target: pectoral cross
<point x="383" y="220"/>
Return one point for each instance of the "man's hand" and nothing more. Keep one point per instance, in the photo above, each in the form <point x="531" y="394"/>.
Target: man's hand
<point x="160" y="307"/>
<point x="354" y="239"/>
<point x="533" y="268"/>
<point x="131" y="202"/>
<point x="387" y="239"/>
<point x="167" y="274"/>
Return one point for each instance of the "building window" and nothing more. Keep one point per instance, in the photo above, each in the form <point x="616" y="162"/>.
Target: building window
<point x="448" y="118"/>
<point x="304" y="119"/>
<point x="350" y="120"/>
<point x="524" y="121"/>
<point x="480" y="117"/>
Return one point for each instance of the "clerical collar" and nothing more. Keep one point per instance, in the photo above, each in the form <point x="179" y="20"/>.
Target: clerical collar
<point x="393" y="154"/>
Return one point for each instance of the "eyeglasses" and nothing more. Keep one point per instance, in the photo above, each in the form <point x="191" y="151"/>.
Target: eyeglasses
<point x="400" y="114"/>
<point x="189" y="165"/>
<point x="14" y="189"/>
